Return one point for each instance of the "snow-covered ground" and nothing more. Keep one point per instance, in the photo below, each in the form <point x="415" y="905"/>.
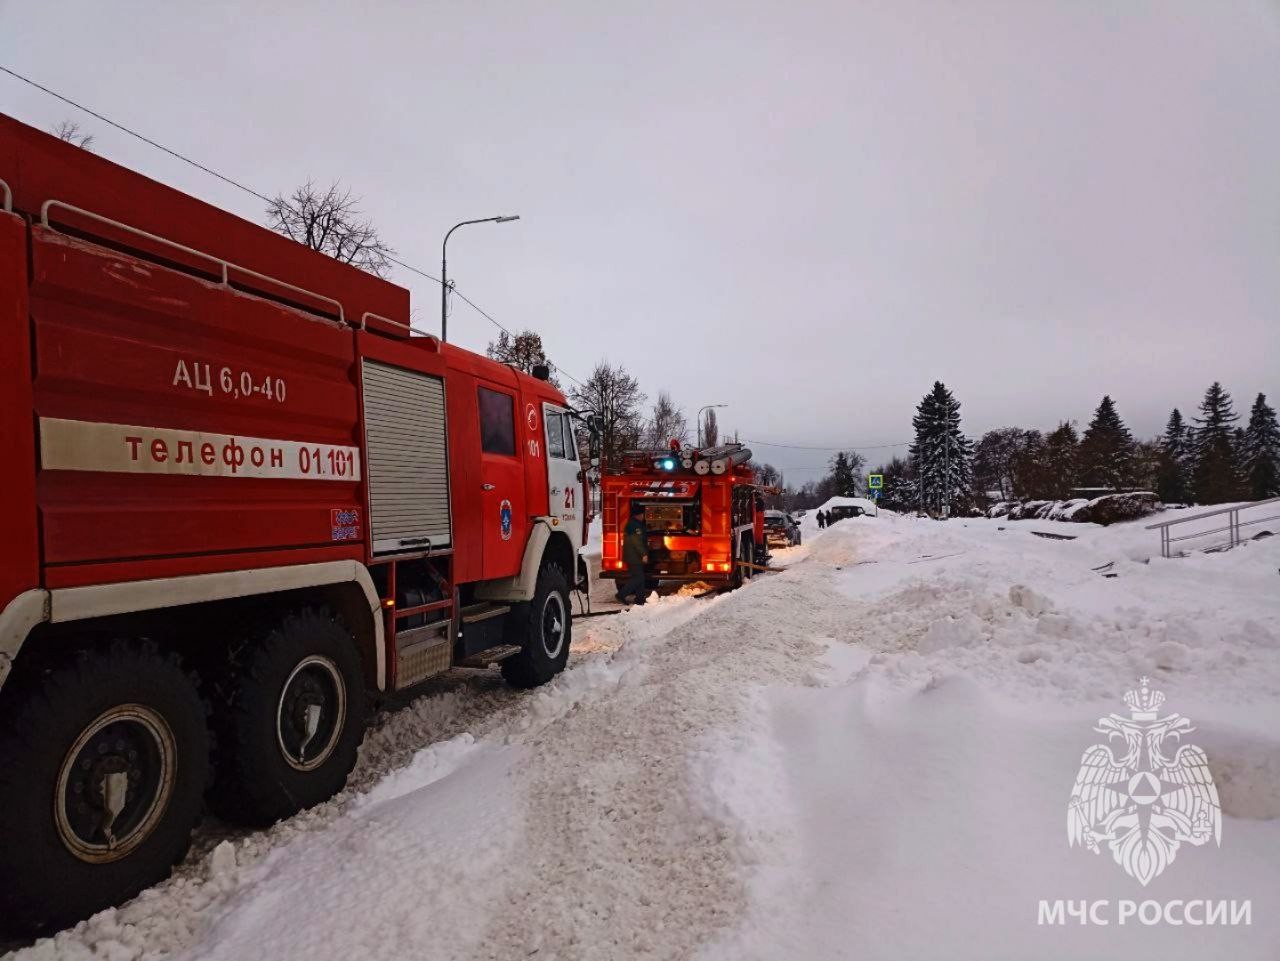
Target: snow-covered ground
<point x="866" y="756"/>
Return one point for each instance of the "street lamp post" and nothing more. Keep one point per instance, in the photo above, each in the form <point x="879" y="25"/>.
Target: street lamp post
<point x="444" y="267"/>
<point x="699" y="418"/>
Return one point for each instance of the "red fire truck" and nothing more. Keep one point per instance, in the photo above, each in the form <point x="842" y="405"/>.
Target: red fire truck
<point x="702" y="511"/>
<point x="245" y="500"/>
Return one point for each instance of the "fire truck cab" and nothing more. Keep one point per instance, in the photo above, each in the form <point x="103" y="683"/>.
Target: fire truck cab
<point x="244" y="501"/>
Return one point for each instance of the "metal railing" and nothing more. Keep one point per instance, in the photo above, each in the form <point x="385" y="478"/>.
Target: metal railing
<point x="1232" y="528"/>
<point x="408" y="329"/>
<point x="224" y="267"/>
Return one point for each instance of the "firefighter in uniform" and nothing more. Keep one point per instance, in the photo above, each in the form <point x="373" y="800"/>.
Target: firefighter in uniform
<point x="635" y="554"/>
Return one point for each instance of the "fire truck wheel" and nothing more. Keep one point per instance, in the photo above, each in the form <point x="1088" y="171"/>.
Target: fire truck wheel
<point x="543" y="628"/>
<point x="289" y="719"/>
<point x="746" y="556"/>
<point x="104" y="758"/>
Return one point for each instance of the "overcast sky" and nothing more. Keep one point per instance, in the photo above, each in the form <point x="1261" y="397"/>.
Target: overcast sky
<point x="807" y="211"/>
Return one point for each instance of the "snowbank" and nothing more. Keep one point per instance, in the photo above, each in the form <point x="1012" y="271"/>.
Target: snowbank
<point x="918" y="797"/>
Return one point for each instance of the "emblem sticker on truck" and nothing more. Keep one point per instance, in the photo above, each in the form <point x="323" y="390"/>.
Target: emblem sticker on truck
<point x="504" y="519"/>
<point x="344" y="524"/>
<point x="122" y="448"/>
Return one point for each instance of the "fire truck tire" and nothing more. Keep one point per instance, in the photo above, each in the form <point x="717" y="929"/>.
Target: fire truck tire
<point x="104" y="759"/>
<point x="288" y="720"/>
<point x="746" y="556"/>
<point x="543" y="628"/>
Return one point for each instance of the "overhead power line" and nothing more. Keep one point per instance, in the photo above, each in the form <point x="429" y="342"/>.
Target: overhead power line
<point x="831" y="447"/>
<point x="253" y="193"/>
<point x="133" y="133"/>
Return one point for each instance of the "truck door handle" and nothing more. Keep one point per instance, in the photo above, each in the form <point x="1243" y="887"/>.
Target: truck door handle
<point x="487" y="487"/>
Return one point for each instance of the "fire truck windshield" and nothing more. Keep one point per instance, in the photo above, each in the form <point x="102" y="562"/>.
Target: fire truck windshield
<point x="681" y="517"/>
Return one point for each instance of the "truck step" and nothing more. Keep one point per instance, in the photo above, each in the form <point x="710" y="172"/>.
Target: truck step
<point x="490" y="656"/>
<point x="427" y="658"/>
<point x="474" y="613"/>
<point x="413" y="637"/>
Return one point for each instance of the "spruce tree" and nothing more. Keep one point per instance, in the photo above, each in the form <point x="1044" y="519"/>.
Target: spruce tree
<point x="1261" y="454"/>
<point x="1107" y="450"/>
<point x="1173" y="480"/>
<point x="941" y="454"/>
<point x="1217" y="470"/>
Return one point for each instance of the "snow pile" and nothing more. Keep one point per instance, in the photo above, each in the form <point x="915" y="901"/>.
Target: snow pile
<point x="919" y="799"/>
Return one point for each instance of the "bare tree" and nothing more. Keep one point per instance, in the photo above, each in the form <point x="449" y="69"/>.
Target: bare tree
<point x="329" y="221"/>
<point x="615" y="398"/>
<point x="994" y="457"/>
<point x="710" y="429"/>
<point x="69" y="131"/>
<point x="766" y="475"/>
<point x="665" y="424"/>
<point x="524" y="351"/>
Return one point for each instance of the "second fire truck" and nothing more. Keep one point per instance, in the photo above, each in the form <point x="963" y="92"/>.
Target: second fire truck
<point x="702" y="510"/>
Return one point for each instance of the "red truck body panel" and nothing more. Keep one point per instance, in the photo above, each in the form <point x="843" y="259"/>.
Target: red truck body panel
<point x="20" y="559"/>
<point x="123" y="342"/>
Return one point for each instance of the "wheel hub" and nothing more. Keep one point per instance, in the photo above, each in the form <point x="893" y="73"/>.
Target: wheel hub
<point x="311" y="713"/>
<point x="553" y="625"/>
<point x="114" y="783"/>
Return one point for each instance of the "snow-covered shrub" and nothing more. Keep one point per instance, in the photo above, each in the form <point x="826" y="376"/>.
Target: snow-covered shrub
<point x="1111" y="508"/>
<point x="1065" y="510"/>
<point x="1027" y="510"/>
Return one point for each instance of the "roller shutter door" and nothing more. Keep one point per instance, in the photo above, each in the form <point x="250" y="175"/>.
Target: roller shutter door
<point x="408" y="462"/>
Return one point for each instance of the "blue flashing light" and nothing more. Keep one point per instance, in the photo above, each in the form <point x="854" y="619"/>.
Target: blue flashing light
<point x="667" y="463"/>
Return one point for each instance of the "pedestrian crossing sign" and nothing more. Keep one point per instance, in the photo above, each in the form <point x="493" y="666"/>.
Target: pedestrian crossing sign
<point x="875" y="482"/>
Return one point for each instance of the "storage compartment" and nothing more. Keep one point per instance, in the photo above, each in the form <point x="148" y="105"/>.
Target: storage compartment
<point x="408" y="462"/>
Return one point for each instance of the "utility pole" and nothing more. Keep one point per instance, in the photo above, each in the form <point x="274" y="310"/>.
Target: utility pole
<point x="946" y="467"/>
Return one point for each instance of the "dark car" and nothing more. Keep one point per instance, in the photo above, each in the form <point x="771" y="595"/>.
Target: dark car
<point x="780" y="529"/>
<point x="841" y="511"/>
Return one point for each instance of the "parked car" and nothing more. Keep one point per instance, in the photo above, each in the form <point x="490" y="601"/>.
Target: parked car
<point x="841" y="511"/>
<point x="781" y="529"/>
